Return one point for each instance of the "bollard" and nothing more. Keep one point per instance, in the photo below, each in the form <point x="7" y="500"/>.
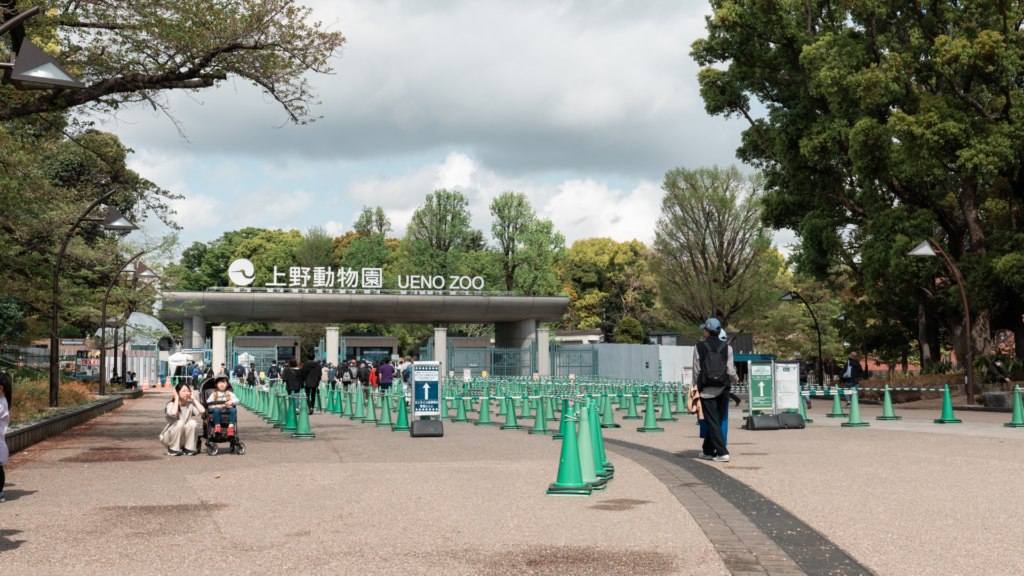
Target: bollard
<point x="666" y="410"/>
<point x="631" y="409"/>
<point x="650" y="424"/>
<point x="540" y="422"/>
<point x="385" y="414"/>
<point x="570" y="475"/>
<point x="855" y="421"/>
<point x="837" y="407"/>
<point x="460" y="414"/>
<point x="947" y="409"/>
<point x="887" y="411"/>
<point x="485" y="413"/>
<point x="1017" y="421"/>
<point x="303" y="430"/>
<point x="510" y="417"/>
<point x="585" y="442"/>
<point x="608" y="419"/>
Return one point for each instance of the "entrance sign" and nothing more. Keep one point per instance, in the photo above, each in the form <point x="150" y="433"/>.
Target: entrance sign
<point x="241" y="272"/>
<point x="787" y="385"/>
<point x="761" y="395"/>
<point x="426" y="388"/>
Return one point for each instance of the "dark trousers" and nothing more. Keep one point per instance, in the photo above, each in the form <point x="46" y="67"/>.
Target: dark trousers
<point x="714" y="409"/>
<point x="311" y="398"/>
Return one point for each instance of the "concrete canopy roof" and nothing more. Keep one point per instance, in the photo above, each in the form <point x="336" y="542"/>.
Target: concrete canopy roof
<point x="360" y="308"/>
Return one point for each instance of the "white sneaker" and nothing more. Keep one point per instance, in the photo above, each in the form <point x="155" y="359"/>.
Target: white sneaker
<point x="721" y="458"/>
<point x="704" y="456"/>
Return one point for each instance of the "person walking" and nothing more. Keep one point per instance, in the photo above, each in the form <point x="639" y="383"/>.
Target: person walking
<point x="714" y="373"/>
<point x="325" y="373"/>
<point x="292" y="382"/>
<point x="274" y="373"/>
<point x="310" y="376"/>
<point x="363" y="374"/>
<point x="239" y="371"/>
<point x="7" y="384"/>
<point x="179" y="434"/>
<point x="345" y="376"/>
<point x="852" y="373"/>
<point x="251" y="376"/>
<point x="332" y="376"/>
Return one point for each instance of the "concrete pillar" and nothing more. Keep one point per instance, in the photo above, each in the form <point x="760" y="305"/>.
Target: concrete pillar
<point x="519" y="334"/>
<point x="543" y="352"/>
<point x="332" y="343"/>
<point x="198" y="331"/>
<point x="186" y="334"/>
<point x="441" y="348"/>
<point x="220" y="347"/>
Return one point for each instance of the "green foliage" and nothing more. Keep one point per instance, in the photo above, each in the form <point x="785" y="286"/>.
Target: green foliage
<point x="437" y="233"/>
<point x="789" y="327"/>
<point x="629" y="331"/>
<point x="269" y="249"/>
<point x="203" y="265"/>
<point x="315" y="248"/>
<point x="12" y="320"/>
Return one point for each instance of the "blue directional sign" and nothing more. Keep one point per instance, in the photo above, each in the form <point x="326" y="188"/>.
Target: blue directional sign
<point x="426" y="388"/>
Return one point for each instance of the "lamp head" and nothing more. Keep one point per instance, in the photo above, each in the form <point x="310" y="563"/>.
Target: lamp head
<point x="787" y="297"/>
<point x="35" y="70"/>
<point x="924" y="249"/>
<point x="842" y="317"/>
<point x="143" y="272"/>
<point x="115" y="221"/>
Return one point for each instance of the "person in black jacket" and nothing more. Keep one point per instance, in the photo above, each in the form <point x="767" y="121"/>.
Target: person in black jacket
<point x="995" y="373"/>
<point x="310" y="375"/>
<point x="292" y="383"/>
<point x="852" y="373"/>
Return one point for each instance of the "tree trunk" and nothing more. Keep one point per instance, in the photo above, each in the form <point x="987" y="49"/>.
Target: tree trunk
<point x="924" y="338"/>
<point x="980" y="339"/>
<point x="1018" y="338"/>
<point x="906" y="353"/>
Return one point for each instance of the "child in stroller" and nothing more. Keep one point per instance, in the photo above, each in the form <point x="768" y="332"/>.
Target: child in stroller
<point x="219" y="421"/>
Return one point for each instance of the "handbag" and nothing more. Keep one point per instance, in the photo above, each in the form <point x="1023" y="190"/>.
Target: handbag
<point x="693" y="404"/>
<point x="849" y="371"/>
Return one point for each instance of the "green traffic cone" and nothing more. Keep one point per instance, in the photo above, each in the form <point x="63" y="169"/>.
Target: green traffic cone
<point x="258" y="405"/>
<point x="666" y="410"/>
<point x="540" y="422"/>
<point x="317" y="403"/>
<point x="339" y="402"/>
<point x="680" y="403"/>
<point x="585" y="442"/>
<point x="947" y="409"/>
<point x="371" y="410"/>
<point x="604" y="457"/>
<point x="277" y="413"/>
<point x="510" y="417"/>
<point x="631" y="414"/>
<point x="570" y="475"/>
<point x="803" y="411"/>
<point x="549" y="410"/>
<point x="837" y="407"/>
<point x="855" y="421"/>
<point x="650" y="424"/>
<point x="501" y="407"/>
<point x="1018" y="411"/>
<point x="887" y="411"/>
<point x="562" y="421"/>
<point x="460" y="414"/>
<point x="302" y="429"/>
<point x="595" y="432"/>
<point x="290" y="424"/>
<point x="385" y="413"/>
<point x="485" y="413"/>
<point x="330" y="401"/>
<point x="526" y="412"/>
<point x="402" y="422"/>
<point x="360" y="413"/>
<point x="346" y="411"/>
<point x="608" y="419"/>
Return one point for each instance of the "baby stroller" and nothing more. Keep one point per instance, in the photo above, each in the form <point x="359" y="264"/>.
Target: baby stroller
<point x="211" y="437"/>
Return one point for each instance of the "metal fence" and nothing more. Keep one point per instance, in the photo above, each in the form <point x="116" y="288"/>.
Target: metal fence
<point x="576" y="360"/>
<point x="261" y="356"/>
<point x="497" y="361"/>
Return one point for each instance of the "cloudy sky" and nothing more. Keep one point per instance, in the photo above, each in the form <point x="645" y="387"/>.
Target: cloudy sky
<point x="581" y="105"/>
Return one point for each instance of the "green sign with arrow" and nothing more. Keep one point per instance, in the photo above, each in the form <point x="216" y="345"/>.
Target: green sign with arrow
<point x="761" y="397"/>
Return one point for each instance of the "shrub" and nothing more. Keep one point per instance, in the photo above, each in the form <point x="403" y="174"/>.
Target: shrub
<point x="629" y="331"/>
<point x="32" y="397"/>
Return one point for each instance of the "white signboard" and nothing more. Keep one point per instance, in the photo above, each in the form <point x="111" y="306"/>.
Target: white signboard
<point x="242" y="273"/>
<point x="787" y="385"/>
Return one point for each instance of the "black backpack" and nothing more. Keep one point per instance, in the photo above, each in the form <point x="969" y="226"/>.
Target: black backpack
<point x="714" y="369"/>
<point x="239" y="372"/>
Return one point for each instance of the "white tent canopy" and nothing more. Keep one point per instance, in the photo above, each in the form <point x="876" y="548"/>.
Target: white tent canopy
<point x="178" y="359"/>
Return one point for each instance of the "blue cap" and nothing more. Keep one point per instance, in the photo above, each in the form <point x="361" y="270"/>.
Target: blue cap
<point x="712" y="324"/>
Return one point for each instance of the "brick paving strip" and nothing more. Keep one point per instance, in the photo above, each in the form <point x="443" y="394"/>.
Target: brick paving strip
<point x="752" y="534"/>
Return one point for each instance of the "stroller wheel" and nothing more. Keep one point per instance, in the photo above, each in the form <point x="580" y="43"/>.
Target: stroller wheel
<point x="212" y="449"/>
<point x="240" y="448"/>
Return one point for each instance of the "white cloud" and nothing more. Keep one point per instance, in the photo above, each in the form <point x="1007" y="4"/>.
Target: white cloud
<point x="335" y="228"/>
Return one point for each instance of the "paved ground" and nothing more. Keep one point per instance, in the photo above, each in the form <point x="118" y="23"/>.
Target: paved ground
<point x="103" y="499"/>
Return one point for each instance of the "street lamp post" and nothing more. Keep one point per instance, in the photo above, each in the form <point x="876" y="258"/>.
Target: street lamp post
<point x="140" y="272"/>
<point x="924" y="250"/>
<point x="820" y="368"/>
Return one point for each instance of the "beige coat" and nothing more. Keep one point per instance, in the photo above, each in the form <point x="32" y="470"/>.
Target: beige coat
<point x="170" y="432"/>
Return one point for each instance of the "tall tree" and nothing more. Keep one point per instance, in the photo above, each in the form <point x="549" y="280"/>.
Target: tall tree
<point x="529" y="247"/>
<point x="886" y="123"/>
<point x="712" y="255"/>
<point x="512" y="215"/>
<point x="127" y="52"/>
<point x="315" y="249"/>
<point x="438" y="231"/>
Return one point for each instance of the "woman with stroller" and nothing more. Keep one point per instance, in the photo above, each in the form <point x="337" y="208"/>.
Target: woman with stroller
<point x="180" y="432"/>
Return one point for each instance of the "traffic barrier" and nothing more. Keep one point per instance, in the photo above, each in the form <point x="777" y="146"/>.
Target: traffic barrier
<point x="569" y="481"/>
<point x="608" y="420"/>
<point x="887" y="412"/>
<point x="854" y="421"/>
<point x="837" y="408"/>
<point x="585" y="442"/>
<point x="1017" y="421"/>
<point x="485" y="413"/>
<point x="947" y="409"/>
<point x="460" y="413"/>
<point x="650" y="424"/>
<point x="510" y="417"/>
<point x="303" y="430"/>
<point x="385" y="414"/>
<point x="290" y="424"/>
